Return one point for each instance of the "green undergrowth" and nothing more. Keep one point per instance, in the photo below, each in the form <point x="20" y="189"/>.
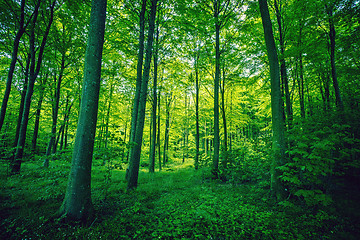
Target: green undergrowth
<point x="177" y="203"/>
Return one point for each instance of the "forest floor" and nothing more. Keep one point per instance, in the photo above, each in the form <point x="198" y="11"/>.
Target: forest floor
<point x="176" y="203"/>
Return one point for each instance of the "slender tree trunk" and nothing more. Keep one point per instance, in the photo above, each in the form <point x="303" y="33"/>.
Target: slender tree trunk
<point x="276" y="104"/>
<point x="301" y="87"/>
<point x="167" y="126"/>
<point x="197" y="136"/>
<point x="16" y="164"/>
<point x="185" y="130"/>
<point x="22" y="101"/>
<point x="339" y="102"/>
<point x="135" y="108"/>
<point x="154" y="105"/>
<point x="136" y="150"/>
<point x="223" y="113"/>
<point x="37" y="115"/>
<point x="77" y="203"/>
<point x="283" y="70"/>
<point x="215" y="167"/>
<point x="51" y="149"/>
<point x="18" y="36"/>
<point x="108" y="117"/>
<point x="158" y="133"/>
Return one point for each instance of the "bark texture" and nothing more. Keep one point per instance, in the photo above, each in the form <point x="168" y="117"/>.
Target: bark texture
<point x="77" y="203"/>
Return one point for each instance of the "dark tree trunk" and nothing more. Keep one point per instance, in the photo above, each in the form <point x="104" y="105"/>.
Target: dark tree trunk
<point x="22" y="101"/>
<point x="18" y="36"/>
<point x="37" y="115"/>
<point x="140" y="121"/>
<point x="16" y="164"/>
<point x="278" y="144"/>
<point x="51" y="148"/>
<point x="301" y="87"/>
<point x="283" y="70"/>
<point x="108" y="117"/>
<point x="77" y="203"/>
<point x="167" y="127"/>
<point x="140" y="59"/>
<point x="158" y="133"/>
<point x="197" y="136"/>
<point x="223" y="113"/>
<point x="339" y="102"/>
<point x="154" y="105"/>
<point x="215" y="167"/>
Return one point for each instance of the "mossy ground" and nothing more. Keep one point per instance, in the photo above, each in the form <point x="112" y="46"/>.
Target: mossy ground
<point x="177" y="203"/>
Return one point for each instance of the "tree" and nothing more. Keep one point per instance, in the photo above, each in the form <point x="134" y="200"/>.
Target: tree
<point x="278" y="144"/>
<point x="34" y="71"/>
<point x="18" y="36"/>
<point x="77" y="202"/>
<point x="140" y="120"/>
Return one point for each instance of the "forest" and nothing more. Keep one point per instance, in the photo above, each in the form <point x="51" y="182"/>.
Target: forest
<point x="180" y="119"/>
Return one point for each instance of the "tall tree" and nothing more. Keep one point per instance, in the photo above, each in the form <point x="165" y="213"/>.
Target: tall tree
<point x="136" y="150"/>
<point x="330" y="9"/>
<point x="139" y="68"/>
<point x="283" y="69"/>
<point x="154" y="104"/>
<point x="278" y="139"/>
<point x="77" y="202"/>
<point x="34" y="71"/>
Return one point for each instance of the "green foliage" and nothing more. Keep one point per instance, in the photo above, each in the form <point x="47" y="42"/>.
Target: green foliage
<point x="247" y="163"/>
<point x="320" y="151"/>
<point x="169" y="205"/>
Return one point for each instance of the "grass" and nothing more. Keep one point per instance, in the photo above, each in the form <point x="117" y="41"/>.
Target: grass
<point x="177" y="203"/>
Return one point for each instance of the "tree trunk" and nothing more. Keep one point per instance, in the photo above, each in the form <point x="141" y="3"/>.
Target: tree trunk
<point x="18" y="36"/>
<point x="154" y="105"/>
<point x="278" y="144"/>
<point x="77" y="203"/>
<point x="16" y="164"/>
<point x="158" y="133"/>
<point x="339" y="102"/>
<point x="301" y="87"/>
<point x="223" y="113"/>
<point x="283" y="70"/>
<point x="215" y="167"/>
<point x="37" y="115"/>
<point x="136" y="150"/>
<point x="167" y="126"/>
<point x="135" y="108"/>
<point x="22" y="101"/>
<point x="197" y="136"/>
<point x="51" y="149"/>
<point x="108" y="117"/>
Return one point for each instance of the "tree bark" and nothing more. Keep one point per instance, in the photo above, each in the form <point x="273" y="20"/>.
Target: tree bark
<point x="37" y="115"/>
<point x="77" y="203"/>
<point x="135" y="108"/>
<point x="223" y="113"/>
<point x="339" y="102"/>
<point x="197" y="136"/>
<point x="136" y="150"/>
<point x="154" y="105"/>
<point x="51" y="149"/>
<point x="283" y="69"/>
<point x="167" y="127"/>
<point x="158" y="133"/>
<point x="215" y="167"/>
<point x="278" y="144"/>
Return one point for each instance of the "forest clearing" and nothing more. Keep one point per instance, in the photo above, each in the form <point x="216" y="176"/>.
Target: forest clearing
<point x="180" y="119"/>
<point x="177" y="203"/>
